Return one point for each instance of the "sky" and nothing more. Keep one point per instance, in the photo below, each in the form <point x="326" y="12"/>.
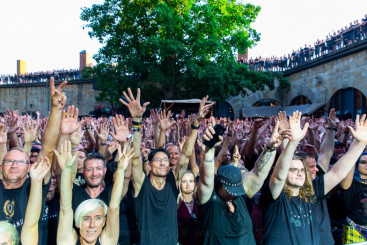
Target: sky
<point x="48" y="34"/>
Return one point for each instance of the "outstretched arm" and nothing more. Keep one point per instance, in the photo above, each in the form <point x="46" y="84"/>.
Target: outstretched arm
<point x="136" y="111"/>
<point x="327" y="146"/>
<point x="206" y="181"/>
<point x="29" y="233"/>
<point x="52" y="131"/>
<point x="342" y="167"/>
<point x="66" y="233"/>
<point x="254" y="179"/>
<point x="280" y="172"/>
<point x="190" y="142"/>
<point x="111" y="232"/>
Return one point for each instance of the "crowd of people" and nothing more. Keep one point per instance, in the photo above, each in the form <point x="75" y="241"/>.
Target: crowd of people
<point x="41" y="76"/>
<point x="185" y="179"/>
<point x="336" y="40"/>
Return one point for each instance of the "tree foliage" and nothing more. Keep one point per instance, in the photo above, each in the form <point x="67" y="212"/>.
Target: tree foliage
<point x="173" y="48"/>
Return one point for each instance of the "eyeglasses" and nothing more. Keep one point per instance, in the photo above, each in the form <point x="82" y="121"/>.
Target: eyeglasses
<point x="9" y="162"/>
<point x="297" y="170"/>
<point x="158" y="159"/>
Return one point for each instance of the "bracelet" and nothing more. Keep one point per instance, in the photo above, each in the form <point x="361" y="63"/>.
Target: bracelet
<point x="136" y="123"/>
<point x="104" y="143"/>
<point x="146" y="160"/>
<point x="195" y="127"/>
<point x="270" y="149"/>
<point x="329" y="128"/>
<point x="136" y="128"/>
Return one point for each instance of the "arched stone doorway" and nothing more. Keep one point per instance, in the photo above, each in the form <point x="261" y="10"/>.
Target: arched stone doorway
<point x="348" y="103"/>
<point x="300" y="100"/>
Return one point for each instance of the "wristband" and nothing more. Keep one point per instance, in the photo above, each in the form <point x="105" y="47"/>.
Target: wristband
<point x="136" y="128"/>
<point x="270" y="149"/>
<point x="136" y="123"/>
<point x="146" y="160"/>
<point x="103" y="144"/>
<point x="195" y="127"/>
<point x="329" y="128"/>
<point x="346" y="132"/>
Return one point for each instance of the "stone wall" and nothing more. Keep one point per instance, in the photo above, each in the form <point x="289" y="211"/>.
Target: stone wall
<point x="318" y="80"/>
<point x="36" y="97"/>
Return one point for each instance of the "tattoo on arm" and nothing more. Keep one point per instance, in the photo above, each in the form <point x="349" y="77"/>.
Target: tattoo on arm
<point x="264" y="159"/>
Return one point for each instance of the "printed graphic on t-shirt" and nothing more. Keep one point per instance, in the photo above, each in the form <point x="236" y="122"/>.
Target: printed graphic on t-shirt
<point x="301" y="218"/>
<point x="9" y="209"/>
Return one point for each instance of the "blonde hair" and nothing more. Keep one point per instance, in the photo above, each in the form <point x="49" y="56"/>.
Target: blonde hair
<point x="179" y="197"/>
<point x="86" y="207"/>
<point x="306" y="192"/>
<point x="6" y="227"/>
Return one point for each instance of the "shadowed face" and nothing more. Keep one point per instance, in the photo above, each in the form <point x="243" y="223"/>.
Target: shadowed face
<point x="311" y="167"/>
<point x="174" y="155"/>
<point x="362" y="167"/>
<point x="188" y="183"/>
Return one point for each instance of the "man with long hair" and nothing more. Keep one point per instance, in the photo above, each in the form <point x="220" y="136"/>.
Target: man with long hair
<point x="290" y="196"/>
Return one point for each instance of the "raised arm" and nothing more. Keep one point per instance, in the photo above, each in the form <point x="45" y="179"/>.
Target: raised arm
<point x="51" y="135"/>
<point x="280" y="172"/>
<point x="206" y="181"/>
<point x="283" y="125"/>
<point x="136" y="111"/>
<point x="342" y="167"/>
<point x="190" y="142"/>
<point x="66" y="233"/>
<point x="37" y="172"/>
<point x="164" y="125"/>
<point x="250" y="147"/>
<point x="30" y="133"/>
<point x="327" y="145"/>
<point x="254" y="179"/>
<point x="110" y="233"/>
<point x="102" y="136"/>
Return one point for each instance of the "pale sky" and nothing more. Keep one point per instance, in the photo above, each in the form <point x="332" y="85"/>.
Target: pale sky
<point x="48" y="34"/>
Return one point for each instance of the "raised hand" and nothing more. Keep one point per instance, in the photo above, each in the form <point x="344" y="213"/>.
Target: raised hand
<point x="360" y="133"/>
<point x="65" y="158"/>
<point x="154" y="115"/>
<point x="258" y="123"/>
<point x="136" y="110"/>
<point x="58" y="98"/>
<point x="295" y="125"/>
<point x="77" y="136"/>
<point x="164" y="120"/>
<point x="30" y="130"/>
<point x="121" y="129"/>
<point x="39" y="170"/>
<point x="103" y="132"/>
<point x="123" y="157"/>
<point x="208" y="135"/>
<point x="203" y="109"/>
<point x="11" y="119"/>
<point x="69" y="122"/>
<point x="3" y="132"/>
<point x="277" y="137"/>
<point x="283" y="121"/>
<point x="332" y="119"/>
<point x="236" y="155"/>
<point x="181" y="143"/>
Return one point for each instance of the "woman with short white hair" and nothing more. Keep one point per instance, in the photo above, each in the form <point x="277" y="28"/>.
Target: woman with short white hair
<point x="97" y="223"/>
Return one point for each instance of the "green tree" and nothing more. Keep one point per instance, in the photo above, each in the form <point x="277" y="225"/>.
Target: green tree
<point x="173" y="48"/>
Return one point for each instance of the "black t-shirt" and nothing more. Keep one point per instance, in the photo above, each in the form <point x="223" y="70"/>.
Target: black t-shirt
<point x="124" y="237"/>
<point x="220" y="227"/>
<point x="80" y="195"/>
<point x="14" y="203"/>
<point x="291" y="221"/>
<point x="355" y="201"/>
<point x="322" y="217"/>
<point x="50" y="220"/>
<point x="79" y="179"/>
<point x="156" y="212"/>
